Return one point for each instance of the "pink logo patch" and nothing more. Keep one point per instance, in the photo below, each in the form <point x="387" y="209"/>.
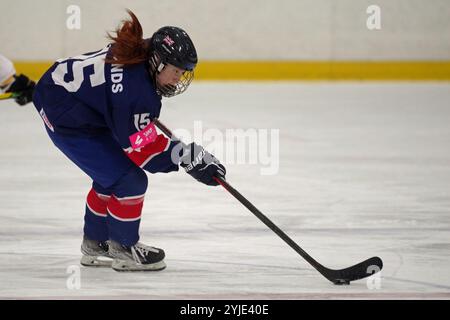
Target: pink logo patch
<point x="168" y="40"/>
<point x="145" y="136"/>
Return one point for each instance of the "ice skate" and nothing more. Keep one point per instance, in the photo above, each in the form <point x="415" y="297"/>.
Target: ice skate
<point x="95" y="253"/>
<point x="136" y="258"/>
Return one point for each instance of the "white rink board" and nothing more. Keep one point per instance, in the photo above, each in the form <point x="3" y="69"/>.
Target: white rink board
<point x="364" y="171"/>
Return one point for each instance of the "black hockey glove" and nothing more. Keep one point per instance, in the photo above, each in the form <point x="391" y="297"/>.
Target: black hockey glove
<point x="202" y="165"/>
<point x="23" y="89"/>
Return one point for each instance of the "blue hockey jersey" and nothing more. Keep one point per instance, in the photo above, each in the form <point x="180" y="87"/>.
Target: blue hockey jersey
<point x="84" y="96"/>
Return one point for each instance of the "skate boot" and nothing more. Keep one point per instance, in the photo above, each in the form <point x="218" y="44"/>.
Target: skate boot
<point x="95" y="253"/>
<point x="138" y="257"/>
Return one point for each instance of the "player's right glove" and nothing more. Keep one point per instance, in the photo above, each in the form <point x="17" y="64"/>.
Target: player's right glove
<point x="202" y="165"/>
<point x="23" y="89"/>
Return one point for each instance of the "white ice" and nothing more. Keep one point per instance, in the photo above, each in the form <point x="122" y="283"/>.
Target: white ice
<point x="364" y="171"/>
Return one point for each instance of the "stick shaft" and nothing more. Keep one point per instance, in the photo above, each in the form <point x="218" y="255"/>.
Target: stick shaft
<point x="272" y="226"/>
<point x="6" y="95"/>
<point x="250" y="207"/>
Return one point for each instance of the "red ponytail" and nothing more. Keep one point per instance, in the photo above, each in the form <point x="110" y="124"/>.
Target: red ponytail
<point x="129" y="46"/>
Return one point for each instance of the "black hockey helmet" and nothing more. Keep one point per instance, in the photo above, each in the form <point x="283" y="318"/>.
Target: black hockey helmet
<point x="172" y="45"/>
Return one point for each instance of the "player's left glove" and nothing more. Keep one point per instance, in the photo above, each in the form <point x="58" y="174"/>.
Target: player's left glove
<point x="23" y="89"/>
<point x="202" y="165"/>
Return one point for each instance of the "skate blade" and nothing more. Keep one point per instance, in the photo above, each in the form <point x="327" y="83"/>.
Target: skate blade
<point x="131" y="266"/>
<point x="96" y="261"/>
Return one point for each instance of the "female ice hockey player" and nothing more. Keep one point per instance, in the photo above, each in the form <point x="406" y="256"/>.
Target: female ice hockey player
<point x="92" y="106"/>
<point x="20" y="85"/>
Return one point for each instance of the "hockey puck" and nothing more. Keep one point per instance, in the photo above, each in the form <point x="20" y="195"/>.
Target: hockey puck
<point x="340" y="282"/>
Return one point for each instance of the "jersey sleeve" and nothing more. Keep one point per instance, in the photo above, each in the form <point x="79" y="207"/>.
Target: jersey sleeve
<point x="132" y="101"/>
<point x="132" y="110"/>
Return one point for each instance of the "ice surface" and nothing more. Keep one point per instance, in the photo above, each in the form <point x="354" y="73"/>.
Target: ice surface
<point x="364" y="171"/>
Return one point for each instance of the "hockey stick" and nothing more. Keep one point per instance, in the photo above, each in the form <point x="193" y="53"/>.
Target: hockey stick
<point x="8" y="95"/>
<point x="342" y="276"/>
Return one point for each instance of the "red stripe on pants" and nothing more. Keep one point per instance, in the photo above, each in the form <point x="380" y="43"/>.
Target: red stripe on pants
<point x="126" y="209"/>
<point x="97" y="203"/>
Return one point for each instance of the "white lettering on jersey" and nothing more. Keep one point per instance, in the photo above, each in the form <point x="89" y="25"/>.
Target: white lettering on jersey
<point x="116" y="78"/>
<point x="97" y="60"/>
<point x="141" y="120"/>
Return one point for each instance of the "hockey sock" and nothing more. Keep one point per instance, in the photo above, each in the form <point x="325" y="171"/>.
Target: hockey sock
<point x="95" y="227"/>
<point x="125" y="207"/>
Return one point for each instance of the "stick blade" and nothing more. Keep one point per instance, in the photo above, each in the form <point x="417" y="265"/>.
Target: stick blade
<point x="358" y="271"/>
